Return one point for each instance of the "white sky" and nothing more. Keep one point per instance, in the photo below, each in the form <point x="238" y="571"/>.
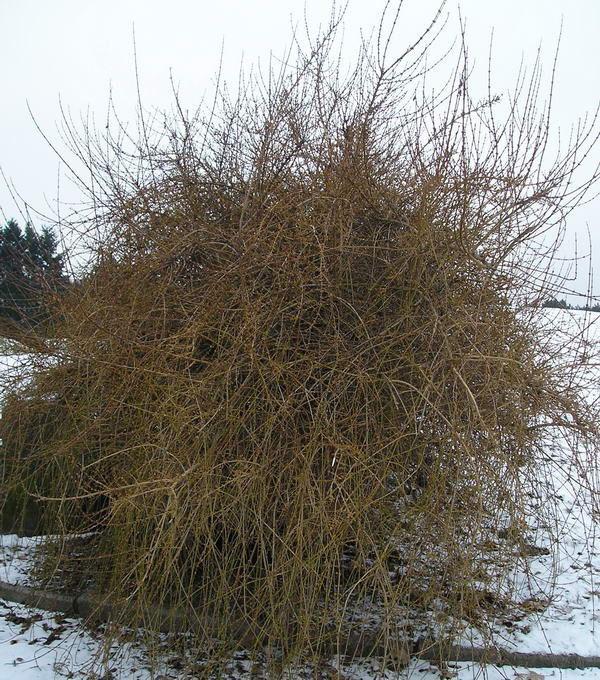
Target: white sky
<point x="78" y="50"/>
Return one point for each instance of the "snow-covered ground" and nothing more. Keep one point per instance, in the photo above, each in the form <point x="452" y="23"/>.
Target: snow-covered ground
<point x="39" y="645"/>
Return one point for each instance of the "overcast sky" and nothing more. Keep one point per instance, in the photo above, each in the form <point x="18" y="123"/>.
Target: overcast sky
<point x="79" y="51"/>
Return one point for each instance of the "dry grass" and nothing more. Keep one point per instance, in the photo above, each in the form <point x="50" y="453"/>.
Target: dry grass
<point x="300" y="374"/>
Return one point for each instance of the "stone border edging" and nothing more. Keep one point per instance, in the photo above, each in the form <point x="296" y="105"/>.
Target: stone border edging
<point x="504" y="657"/>
<point x="83" y="606"/>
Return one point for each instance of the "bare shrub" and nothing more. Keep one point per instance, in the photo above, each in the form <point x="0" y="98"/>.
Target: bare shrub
<point x="301" y="382"/>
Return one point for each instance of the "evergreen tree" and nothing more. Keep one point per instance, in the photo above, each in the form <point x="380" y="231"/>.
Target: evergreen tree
<point x="30" y="268"/>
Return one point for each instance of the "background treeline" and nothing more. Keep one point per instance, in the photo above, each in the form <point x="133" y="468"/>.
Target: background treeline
<point x="554" y="303"/>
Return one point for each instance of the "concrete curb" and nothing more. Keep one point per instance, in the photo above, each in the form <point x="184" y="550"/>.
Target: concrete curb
<point x="84" y="606"/>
